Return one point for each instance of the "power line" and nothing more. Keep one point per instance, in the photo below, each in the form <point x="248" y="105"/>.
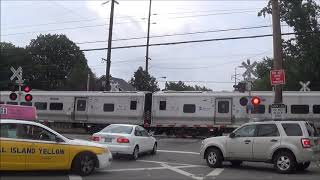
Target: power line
<point x="120" y="17"/>
<point x="179" y="34"/>
<point x="192" y="41"/>
<point x="80" y="27"/>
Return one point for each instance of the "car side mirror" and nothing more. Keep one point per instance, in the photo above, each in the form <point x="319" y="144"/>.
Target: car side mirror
<point x="150" y="134"/>
<point x="232" y="135"/>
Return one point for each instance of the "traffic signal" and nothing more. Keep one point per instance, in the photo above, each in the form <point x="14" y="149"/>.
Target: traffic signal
<point x="13" y="96"/>
<point x="27" y="89"/>
<point x="28" y="97"/>
<point x="241" y="87"/>
<point x="255" y="100"/>
<point x="243" y="101"/>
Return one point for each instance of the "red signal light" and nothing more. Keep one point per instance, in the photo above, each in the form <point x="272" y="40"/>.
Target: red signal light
<point x="26" y="89"/>
<point x="13" y="96"/>
<point x="255" y="100"/>
<point x="28" y="97"/>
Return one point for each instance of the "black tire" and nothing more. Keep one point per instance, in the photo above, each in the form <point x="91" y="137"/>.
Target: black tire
<point x="303" y="166"/>
<point x="214" y="157"/>
<point x="154" y="150"/>
<point x="84" y="164"/>
<point x="236" y="163"/>
<point x="285" y="162"/>
<point x="135" y="153"/>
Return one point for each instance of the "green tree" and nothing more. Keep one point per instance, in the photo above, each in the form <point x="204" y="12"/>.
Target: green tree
<point x="302" y="51"/>
<point x="58" y="64"/>
<point x="143" y="81"/>
<point x="181" y="86"/>
<point x="12" y="56"/>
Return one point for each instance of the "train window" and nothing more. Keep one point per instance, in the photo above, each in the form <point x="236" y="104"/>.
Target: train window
<point x="81" y="105"/>
<point x="189" y="108"/>
<point x="56" y="106"/>
<point x="316" y="109"/>
<point x="1" y="102"/>
<point x="299" y="109"/>
<point x="163" y="105"/>
<point x="40" y="105"/>
<point x="223" y="107"/>
<point x="260" y="109"/>
<point x="108" y="107"/>
<point x="26" y="103"/>
<point x="12" y="103"/>
<point x="133" y="105"/>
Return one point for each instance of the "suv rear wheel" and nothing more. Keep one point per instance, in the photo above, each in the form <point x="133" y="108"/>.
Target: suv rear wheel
<point x="284" y="162"/>
<point x="214" y="157"/>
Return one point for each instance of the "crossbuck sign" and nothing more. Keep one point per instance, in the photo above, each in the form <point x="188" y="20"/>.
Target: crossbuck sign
<point x="16" y="73"/>
<point x="249" y="69"/>
<point x="305" y="86"/>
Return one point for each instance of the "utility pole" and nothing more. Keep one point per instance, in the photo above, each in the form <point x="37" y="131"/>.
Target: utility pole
<point x="148" y="39"/>
<point x="277" y="47"/>
<point x="235" y="76"/>
<point x="108" y="64"/>
<point x="88" y="81"/>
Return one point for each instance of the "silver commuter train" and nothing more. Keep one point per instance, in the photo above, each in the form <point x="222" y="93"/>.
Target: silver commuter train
<point x="170" y="112"/>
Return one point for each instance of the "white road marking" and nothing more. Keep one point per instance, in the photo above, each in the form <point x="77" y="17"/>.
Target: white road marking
<point x="175" y="169"/>
<point x="181" y="152"/>
<point x="215" y="172"/>
<point x="144" y="169"/>
<point x="161" y="162"/>
<point x="75" y="177"/>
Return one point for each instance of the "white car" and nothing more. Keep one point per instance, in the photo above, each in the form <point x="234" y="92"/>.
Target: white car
<point x="126" y="139"/>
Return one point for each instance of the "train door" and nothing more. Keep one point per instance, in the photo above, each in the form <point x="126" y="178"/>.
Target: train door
<point x="147" y="108"/>
<point x="81" y="109"/>
<point x="223" y="111"/>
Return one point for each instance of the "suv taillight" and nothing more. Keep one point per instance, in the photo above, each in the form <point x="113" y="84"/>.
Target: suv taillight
<point x="122" y="140"/>
<point x="95" y="138"/>
<point x="306" y="143"/>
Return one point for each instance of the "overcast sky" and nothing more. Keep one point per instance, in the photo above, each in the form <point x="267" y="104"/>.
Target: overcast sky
<point x="211" y="63"/>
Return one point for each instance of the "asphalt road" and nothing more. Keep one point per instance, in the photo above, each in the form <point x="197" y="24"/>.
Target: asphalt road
<point x="175" y="159"/>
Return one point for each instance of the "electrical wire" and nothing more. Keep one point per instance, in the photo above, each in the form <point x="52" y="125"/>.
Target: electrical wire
<point x="178" y="34"/>
<point x="191" y="41"/>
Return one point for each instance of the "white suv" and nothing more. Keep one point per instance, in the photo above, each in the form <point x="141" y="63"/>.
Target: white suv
<point x="289" y="145"/>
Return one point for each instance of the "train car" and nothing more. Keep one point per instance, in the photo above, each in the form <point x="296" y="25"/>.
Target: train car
<point x="91" y="110"/>
<point x="219" y="112"/>
<point x="170" y="112"/>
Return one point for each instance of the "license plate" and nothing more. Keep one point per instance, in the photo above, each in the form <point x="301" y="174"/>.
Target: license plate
<point x="107" y="139"/>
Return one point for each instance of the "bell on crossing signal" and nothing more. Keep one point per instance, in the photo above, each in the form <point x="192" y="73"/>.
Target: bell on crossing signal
<point x="26" y="89"/>
<point x="13" y="96"/>
<point x="255" y="100"/>
<point x="28" y="97"/>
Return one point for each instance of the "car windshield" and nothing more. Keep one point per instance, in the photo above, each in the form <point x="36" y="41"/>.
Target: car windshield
<point x="118" y="129"/>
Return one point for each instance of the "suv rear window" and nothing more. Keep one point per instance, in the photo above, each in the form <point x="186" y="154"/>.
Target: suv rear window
<point x="292" y="129"/>
<point x="312" y="130"/>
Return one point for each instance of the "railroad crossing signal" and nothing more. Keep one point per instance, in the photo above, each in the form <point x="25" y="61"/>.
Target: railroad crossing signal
<point x="16" y="73"/>
<point x="249" y="69"/>
<point x="305" y="86"/>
